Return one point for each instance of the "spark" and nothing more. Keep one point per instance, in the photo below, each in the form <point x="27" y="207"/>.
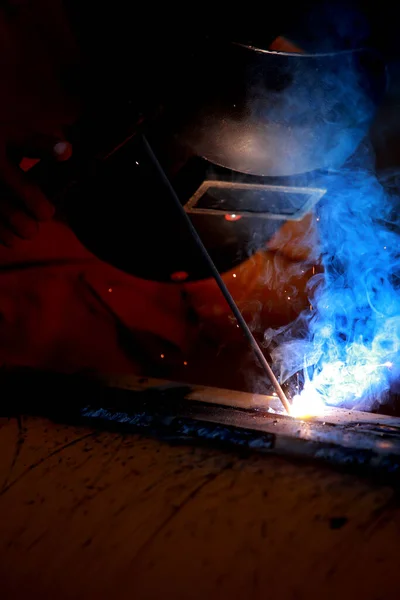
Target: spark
<point x="110" y="290"/>
<point x="234" y="275"/>
<point x="185" y="363"/>
<point x="307" y="404"/>
<point x="162" y="355"/>
<point x="233" y="217"/>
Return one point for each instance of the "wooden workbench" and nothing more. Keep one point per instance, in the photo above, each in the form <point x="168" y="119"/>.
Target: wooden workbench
<point x="88" y="514"/>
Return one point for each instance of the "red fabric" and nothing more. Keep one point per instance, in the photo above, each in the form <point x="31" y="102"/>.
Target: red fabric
<point x="62" y="308"/>
<point x="56" y="310"/>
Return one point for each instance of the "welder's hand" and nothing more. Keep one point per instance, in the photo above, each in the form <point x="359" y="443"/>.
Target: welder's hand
<point x="37" y="54"/>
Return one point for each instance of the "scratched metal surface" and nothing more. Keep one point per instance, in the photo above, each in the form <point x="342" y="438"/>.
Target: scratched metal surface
<point x="91" y="514"/>
<point x="369" y="448"/>
<point x="367" y="443"/>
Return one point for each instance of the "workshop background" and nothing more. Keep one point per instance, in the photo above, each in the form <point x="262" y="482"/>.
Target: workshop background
<point x="109" y="514"/>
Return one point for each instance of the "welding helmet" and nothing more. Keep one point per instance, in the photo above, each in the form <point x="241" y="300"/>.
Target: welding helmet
<point x="244" y="135"/>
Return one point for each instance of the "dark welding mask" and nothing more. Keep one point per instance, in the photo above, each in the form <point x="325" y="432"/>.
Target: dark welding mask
<point x="245" y="135"/>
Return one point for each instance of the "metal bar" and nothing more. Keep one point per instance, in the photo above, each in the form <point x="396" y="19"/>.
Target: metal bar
<point x="220" y="282"/>
<point x="364" y="442"/>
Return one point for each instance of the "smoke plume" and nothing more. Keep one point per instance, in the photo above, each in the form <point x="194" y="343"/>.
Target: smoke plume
<point x="348" y="345"/>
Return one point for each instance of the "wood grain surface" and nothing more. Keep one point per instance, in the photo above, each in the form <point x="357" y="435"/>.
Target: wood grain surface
<point x="88" y="514"/>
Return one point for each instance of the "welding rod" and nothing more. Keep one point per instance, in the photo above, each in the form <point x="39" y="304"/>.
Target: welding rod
<point x="220" y="282"/>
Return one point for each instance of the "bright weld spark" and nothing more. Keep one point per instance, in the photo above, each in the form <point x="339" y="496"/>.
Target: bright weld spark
<point x="307" y="405"/>
<point x="232" y="217"/>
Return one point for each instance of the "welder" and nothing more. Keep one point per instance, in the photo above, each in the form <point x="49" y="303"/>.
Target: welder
<point x="61" y="307"/>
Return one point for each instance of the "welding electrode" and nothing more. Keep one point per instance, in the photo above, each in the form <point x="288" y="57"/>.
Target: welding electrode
<point x="220" y="282"/>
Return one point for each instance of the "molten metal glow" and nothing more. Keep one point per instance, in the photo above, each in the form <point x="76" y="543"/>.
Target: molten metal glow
<point x="307" y="404"/>
<point x="233" y="217"/>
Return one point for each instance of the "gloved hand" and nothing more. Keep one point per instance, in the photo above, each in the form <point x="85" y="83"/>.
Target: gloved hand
<point x="36" y="52"/>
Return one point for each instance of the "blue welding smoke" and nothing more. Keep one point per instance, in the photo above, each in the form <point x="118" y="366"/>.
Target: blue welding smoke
<point x="348" y="345"/>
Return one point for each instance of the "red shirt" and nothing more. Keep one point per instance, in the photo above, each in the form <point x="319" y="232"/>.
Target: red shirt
<point x="62" y="308"/>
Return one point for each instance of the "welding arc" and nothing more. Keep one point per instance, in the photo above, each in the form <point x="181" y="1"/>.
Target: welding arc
<point x="220" y="282"/>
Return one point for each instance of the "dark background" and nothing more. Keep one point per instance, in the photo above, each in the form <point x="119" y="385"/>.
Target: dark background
<point x="139" y="48"/>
